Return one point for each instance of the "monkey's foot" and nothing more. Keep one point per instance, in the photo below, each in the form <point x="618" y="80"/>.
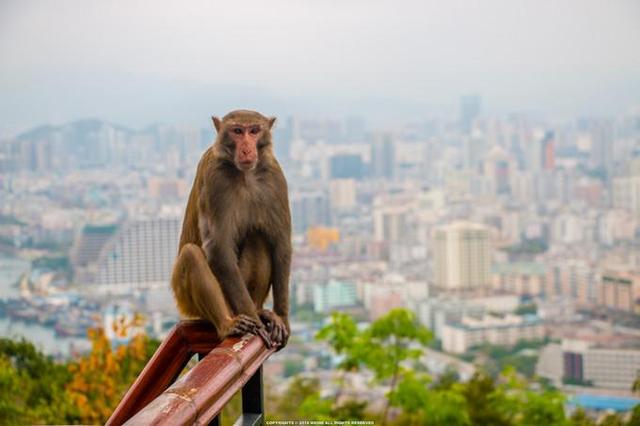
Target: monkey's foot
<point x="244" y="324"/>
<point x="277" y="328"/>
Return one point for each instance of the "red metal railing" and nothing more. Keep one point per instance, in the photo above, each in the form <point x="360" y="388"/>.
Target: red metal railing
<point x="199" y="396"/>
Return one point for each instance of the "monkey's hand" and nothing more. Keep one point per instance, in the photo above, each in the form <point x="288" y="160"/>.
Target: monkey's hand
<point x="278" y="329"/>
<point x="243" y="324"/>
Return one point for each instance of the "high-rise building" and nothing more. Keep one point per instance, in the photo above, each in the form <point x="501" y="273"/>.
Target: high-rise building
<point x="342" y="193"/>
<point x="469" y="110"/>
<point x="626" y="194"/>
<point x="497" y="168"/>
<point x="86" y="250"/>
<point x="390" y="223"/>
<point x="540" y="151"/>
<point x="283" y="136"/>
<point x="344" y="166"/>
<point x="333" y="294"/>
<point x="548" y="160"/>
<point x="383" y="156"/>
<point x="462" y="257"/>
<point x="475" y="149"/>
<point x="620" y="290"/>
<point x="139" y="255"/>
<point x="602" y="146"/>
<point x="309" y="208"/>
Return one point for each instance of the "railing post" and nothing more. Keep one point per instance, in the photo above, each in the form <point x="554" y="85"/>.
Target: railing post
<point x="252" y="401"/>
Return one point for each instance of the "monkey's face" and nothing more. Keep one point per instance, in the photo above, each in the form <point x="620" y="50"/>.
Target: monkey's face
<point x="243" y="135"/>
<point x="245" y="139"/>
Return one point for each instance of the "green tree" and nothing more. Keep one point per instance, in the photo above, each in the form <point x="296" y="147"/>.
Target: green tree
<point x="298" y="399"/>
<point x="425" y="404"/>
<point x="293" y="367"/>
<point x="345" y="339"/>
<point x="526" y="407"/>
<point x="447" y="379"/>
<point x="41" y="394"/>
<point x="634" y="420"/>
<point x="389" y="342"/>
<point x="12" y="395"/>
<point x="580" y="418"/>
<point x="485" y="403"/>
<point x="391" y="347"/>
<point x="612" y="420"/>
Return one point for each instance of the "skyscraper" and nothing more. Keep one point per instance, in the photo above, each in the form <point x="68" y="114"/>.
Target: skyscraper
<point x="345" y="166"/>
<point x="382" y="156"/>
<point x="602" y="146"/>
<point x="310" y="208"/>
<point x="462" y="257"/>
<point x="469" y="110"/>
<point x="548" y="151"/>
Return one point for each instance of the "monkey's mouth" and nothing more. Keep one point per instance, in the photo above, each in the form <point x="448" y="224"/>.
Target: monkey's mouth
<point x="246" y="165"/>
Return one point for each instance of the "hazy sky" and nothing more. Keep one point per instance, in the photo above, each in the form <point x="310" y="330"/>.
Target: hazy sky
<point x="137" y="62"/>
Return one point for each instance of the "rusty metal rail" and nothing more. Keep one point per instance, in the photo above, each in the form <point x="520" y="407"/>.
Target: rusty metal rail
<point x="199" y="396"/>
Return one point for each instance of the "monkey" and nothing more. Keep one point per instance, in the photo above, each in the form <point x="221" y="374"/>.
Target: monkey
<point x="235" y="243"/>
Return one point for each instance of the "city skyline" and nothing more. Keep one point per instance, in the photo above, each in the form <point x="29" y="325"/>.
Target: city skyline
<point x="181" y="64"/>
<point x="467" y="174"/>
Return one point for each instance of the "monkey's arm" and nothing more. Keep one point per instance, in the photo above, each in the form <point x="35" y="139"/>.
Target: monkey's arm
<point x="281" y="269"/>
<point x="278" y="320"/>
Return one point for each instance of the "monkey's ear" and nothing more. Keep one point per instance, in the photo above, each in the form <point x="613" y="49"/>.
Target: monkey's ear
<point x="271" y="121"/>
<point x="216" y="123"/>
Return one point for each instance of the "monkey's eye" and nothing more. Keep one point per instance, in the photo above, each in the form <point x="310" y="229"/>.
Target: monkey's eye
<point x="254" y="130"/>
<point x="237" y="130"/>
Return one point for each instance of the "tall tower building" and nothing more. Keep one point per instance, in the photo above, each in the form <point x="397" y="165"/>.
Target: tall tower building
<point x="498" y="167"/>
<point x="383" y="156"/>
<point x="345" y="166"/>
<point x="462" y="257"/>
<point x="309" y="208"/>
<point x="390" y="223"/>
<point x="602" y="146"/>
<point x="469" y="110"/>
<point x="342" y="194"/>
<point x="548" y="160"/>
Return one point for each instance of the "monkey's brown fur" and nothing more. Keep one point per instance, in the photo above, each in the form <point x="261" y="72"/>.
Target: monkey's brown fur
<point x="236" y="234"/>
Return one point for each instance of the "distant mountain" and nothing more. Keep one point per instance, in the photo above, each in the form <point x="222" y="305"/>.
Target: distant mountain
<point x="75" y="129"/>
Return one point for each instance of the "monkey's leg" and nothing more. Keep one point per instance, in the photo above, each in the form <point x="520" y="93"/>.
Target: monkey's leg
<point x="198" y="294"/>
<point x="255" y="267"/>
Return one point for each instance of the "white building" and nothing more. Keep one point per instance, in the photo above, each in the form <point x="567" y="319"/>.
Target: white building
<point x="459" y="337"/>
<point x="342" y="193"/>
<point x="435" y="312"/>
<point x="334" y="294"/>
<point x="390" y="223"/>
<point x="462" y="256"/>
<point x="626" y="194"/>
<point x="141" y="254"/>
<point x="603" y="361"/>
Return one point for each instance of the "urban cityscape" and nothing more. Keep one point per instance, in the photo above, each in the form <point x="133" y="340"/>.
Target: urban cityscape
<point x="515" y="240"/>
